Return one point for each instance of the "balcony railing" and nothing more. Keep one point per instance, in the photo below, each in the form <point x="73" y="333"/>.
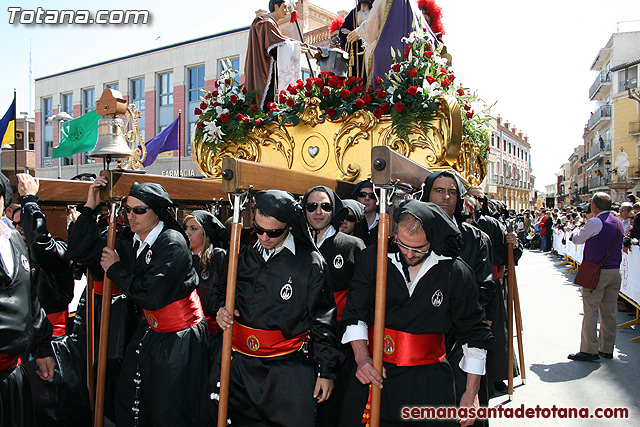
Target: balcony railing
<point x="598" y="181"/>
<point x="604" y="112"/>
<point x="634" y="128"/>
<point x="601" y="147"/>
<point x="604" y="77"/>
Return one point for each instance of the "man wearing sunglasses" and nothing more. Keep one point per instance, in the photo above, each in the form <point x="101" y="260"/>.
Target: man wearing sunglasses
<point x="363" y="193"/>
<point x="161" y="381"/>
<point x="282" y="300"/>
<point x="323" y="208"/>
<point x="430" y="293"/>
<point x="24" y="326"/>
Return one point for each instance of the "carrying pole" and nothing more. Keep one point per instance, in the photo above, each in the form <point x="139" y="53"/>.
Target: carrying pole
<point x="519" y="328"/>
<point x="90" y="332"/>
<point x="225" y="365"/>
<point x="511" y="274"/>
<point x="98" y="418"/>
<point x="380" y="304"/>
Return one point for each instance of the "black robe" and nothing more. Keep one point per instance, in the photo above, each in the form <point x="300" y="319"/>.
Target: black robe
<point x="24" y="327"/>
<point x="64" y="400"/>
<point x="210" y="278"/>
<point x="278" y="390"/>
<point x="458" y="312"/>
<point x="358" y="68"/>
<point x="162" y="372"/>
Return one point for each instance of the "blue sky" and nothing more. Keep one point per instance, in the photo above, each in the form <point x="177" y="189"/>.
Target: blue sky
<point x="532" y="57"/>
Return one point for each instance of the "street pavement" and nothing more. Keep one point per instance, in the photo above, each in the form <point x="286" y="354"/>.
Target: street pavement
<point x="552" y="316"/>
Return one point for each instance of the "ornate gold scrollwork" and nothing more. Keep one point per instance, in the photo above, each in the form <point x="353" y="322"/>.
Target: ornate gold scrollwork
<point x="134" y="139"/>
<point x="311" y="114"/>
<point x="361" y="122"/>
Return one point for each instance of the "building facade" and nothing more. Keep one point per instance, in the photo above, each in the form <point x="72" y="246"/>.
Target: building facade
<point x="162" y="83"/>
<point x="509" y="176"/>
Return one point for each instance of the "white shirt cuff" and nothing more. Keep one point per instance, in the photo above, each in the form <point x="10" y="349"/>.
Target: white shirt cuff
<point x="356" y="332"/>
<point x="473" y="360"/>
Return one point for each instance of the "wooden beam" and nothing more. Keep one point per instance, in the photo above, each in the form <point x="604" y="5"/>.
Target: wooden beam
<point x="59" y="191"/>
<point x="186" y="190"/>
<point x="238" y="175"/>
<point x="388" y="166"/>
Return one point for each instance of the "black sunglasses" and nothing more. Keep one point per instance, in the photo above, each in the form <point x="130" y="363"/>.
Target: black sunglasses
<point x="364" y="194"/>
<point x="271" y="233"/>
<point x="478" y="198"/>
<point x="409" y="248"/>
<point x="350" y="218"/>
<point x="325" y="206"/>
<point x="138" y="210"/>
<point x="15" y="223"/>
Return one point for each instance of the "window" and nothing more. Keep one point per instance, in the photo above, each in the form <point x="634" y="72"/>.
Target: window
<point x="136" y="97"/>
<point x="114" y="86"/>
<point x="233" y="62"/>
<point x="47" y="132"/>
<point x="66" y="103"/>
<point x="305" y="74"/>
<point x="628" y="74"/>
<point x="165" y="100"/>
<point x="88" y="100"/>
<point x="195" y="83"/>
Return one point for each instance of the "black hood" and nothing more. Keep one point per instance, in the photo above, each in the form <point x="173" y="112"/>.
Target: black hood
<point x="6" y="191"/>
<point x="282" y="206"/>
<point x="428" y="185"/>
<point x="336" y="201"/>
<point x="361" y="229"/>
<point x="441" y="232"/>
<point x="213" y="228"/>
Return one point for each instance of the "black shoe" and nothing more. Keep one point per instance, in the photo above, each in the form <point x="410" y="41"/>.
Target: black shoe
<point x="500" y="387"/>
<point x="605" y="355"/>
<point x="584" y="357"/>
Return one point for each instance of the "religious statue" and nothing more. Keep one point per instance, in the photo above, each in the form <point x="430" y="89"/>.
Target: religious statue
<point x="622" y="164"/>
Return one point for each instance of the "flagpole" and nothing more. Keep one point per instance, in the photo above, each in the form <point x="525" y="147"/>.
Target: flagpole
<point x="179" y="144"/>
<point x="15" y="139"/>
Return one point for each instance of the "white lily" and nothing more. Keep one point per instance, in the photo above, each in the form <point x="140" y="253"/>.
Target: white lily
<point x="213" y="130"/>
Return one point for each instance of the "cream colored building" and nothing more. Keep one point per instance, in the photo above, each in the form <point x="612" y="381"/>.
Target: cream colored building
<point x="509" y="176"/>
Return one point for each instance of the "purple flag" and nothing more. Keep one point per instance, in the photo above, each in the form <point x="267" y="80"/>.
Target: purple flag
<point x="167" y="140"/>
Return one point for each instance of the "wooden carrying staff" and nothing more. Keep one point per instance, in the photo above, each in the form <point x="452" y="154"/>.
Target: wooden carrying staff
<point x="89" y="313"/>
<point x="387" y="167"/>
<point x="513" y="303"/>
<point x="98" y="418"/>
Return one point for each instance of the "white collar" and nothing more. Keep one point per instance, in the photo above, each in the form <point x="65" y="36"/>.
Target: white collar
<point x="289" y="243"/>
<point x="375" y="221"/>
<point x="431" y="260"/>
<point x="330" y="231"/>
<point x="150" y="239"/>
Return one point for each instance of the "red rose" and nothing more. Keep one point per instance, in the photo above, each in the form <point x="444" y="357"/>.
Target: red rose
<point x="428" y="54"/>
<point x="271" y="106"/>
<point x="224" y="117"/>
<point x="356" y="89"/>
<point x="254" y="108"/>
<point x="199" y="125"/>
<point x="413" y="72"/>
<point x="443" y="70"/>
<point x="460" y="92"/>
<point x="467" y="107"/>
<point x="197" y="112"/>
<point x="377" y="113"/>
<point x="215" y="104"/>
<point x="239" y="116"/>
<point x="308" y="86"/>
<point x="380" y="93"/>
<point x="470" y="114"/>
<point x="300" y="84"/>
<point x="331" y="111"/>
<point x="399" y="106"/>
<point x="452" y="77"/>
<point x="308" y="94"/>
<point x="216" y="83"/>
<point x="227" y="81"/>
<point x="324" y="73"/>
<point x="445" y="82"/>
<point x="293" y="90"/>
<point x="259" y="122"/>
<point x="244" y="90"/>
<point x="319" y="82"/>
<point x="430" y="80"/>
<point x="214" y="93"/>
<point x="396" y="67"/>
<point x="203" y="105"/>
<point x="233" y="99"/>
<point x="359" y="103"/>
<point x="378" y="80"/>
<point x="245" y="119"/>
<point x="351" y="80"/>
<point x="366" y="99"/>
<point x="385" y="107"/>
<point x="344" y="93"/>
<point x="360" y="80"/>
<point x="412" y="90"/>
<point x="407" y="49"/>
<point x="326" y="92"/>
<point x="290" y="102"/>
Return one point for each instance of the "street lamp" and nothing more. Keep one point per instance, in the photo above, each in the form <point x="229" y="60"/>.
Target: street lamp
<point x="575" y="187"/>
<point x="59" y="118"/>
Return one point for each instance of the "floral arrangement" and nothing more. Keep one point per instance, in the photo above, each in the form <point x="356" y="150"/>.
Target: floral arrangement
<point x="418" y="77"/>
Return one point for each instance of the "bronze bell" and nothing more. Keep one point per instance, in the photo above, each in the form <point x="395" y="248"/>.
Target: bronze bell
<point x="111" y="139"/>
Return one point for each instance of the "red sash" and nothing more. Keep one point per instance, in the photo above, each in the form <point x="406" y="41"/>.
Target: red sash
<point x="59" y="322"/>
<point x="8" y="362"/>
<point x="213" y="325"/>
<point x="341" y="302"/>
<point x="405" y="349"/>
<point x="176" y="316"/>
<point x="263" y="343"/>
<point x="98" y="288"/>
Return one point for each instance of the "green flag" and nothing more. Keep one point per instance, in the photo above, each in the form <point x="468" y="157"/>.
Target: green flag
<point x="81" y="135"/>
